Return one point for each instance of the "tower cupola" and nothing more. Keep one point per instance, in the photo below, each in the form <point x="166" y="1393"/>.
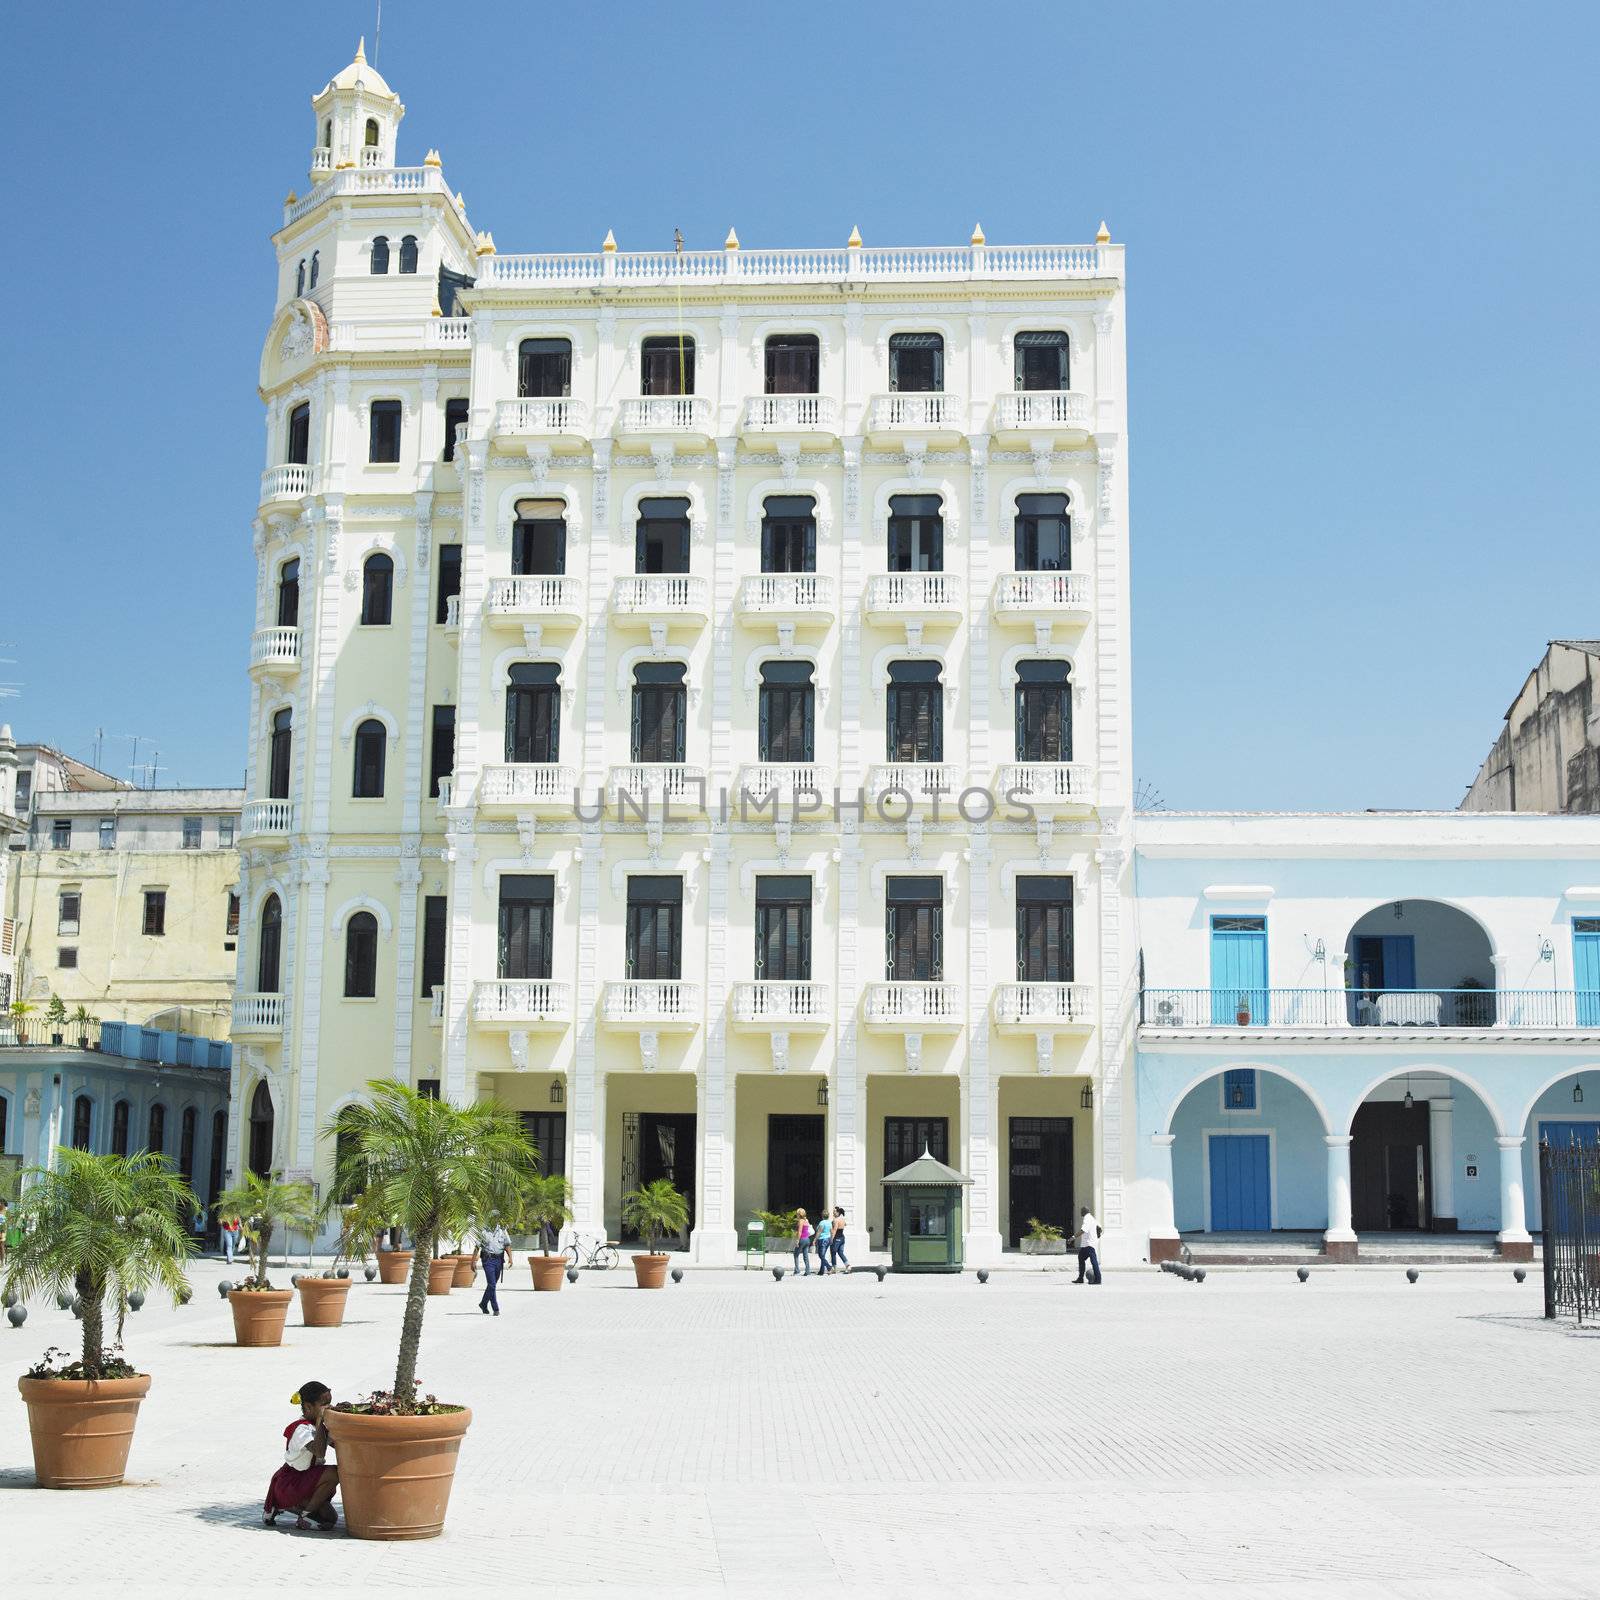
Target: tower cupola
<point x="358" y="117"/>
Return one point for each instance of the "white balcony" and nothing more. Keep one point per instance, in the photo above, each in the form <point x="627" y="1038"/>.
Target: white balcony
<point x="671" y="597"/>
<point x="267" y="821"/>
<point x="367" y="179"/>
<point x="768" y="789"/>
<point x="542" y="417"/>
<point x="914" y="1007"/>
<point x="275" y="650"/>
<point x="917" y="597"/>
<point x="782" y="1005"/>
<point x="257" y="1015"/>
<point x="929" y="416"/>
<point x="446" y="790"/>
<point x="506" y="789"/>
<point x="1026" y="598"/>
<point x="650" y="1004"/>
<point x="291" y="482"/>
<point x="652" y="784"/>
<point x="1060" y="415"/>
<point x="798" y="600"/>
<point x="448" y="333"/>
<point x="1048" y="1007"/>
<point x="522" y="1003"/>
<point x="436" y="1006"/>
<point x="452" y="619"/>
<point x="1054" y="786"/>
<point x="548" y="598"/>
<point x="922" y="781"/>
<point x="680" y="416"/>
<point x="816" y="414"/>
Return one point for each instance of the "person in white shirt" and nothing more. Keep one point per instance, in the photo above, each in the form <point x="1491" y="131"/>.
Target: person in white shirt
<point x="1088" y="1257"/>
<point x="494" y="1251"/>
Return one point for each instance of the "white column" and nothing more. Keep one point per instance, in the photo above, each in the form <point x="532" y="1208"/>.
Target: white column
<point x="589" y="1175"/>
<point x="1340" y="1239"/>
<point x="586" y="1089"/>
<point x="1164" y="1230"/>
<point x="715" y="1237"/>
<point x="1442" y="1152"/>
<point x="1513" y="1216"/>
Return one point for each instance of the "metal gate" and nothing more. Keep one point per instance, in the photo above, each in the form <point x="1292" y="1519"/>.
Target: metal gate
<point x="1569" y="1198"/>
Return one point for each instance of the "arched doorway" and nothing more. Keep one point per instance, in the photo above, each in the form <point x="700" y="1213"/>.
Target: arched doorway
<point x="261" y="1129"/>
<point x="1419" y="963"/>
<point x="1565" y="1112"/>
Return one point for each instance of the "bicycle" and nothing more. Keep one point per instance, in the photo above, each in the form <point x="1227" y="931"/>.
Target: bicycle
<point x="601" y="1254"/>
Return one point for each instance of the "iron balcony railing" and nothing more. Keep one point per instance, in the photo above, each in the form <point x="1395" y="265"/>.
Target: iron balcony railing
<point x="1569" y="1211"/>
<point x="1544" y="1010"/>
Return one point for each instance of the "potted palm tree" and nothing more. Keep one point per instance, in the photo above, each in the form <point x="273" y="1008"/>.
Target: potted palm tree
<point x="102" y="1228"/>
<point x="21" y="1010"/>
<point x="82" y="1020"/>
<point x="653" y="1211"/>
<point x="264" y="1204"/>
<point x="425" y="1162"/>
<point x="546" y="1209"/>
<point x="56" y="1015"/>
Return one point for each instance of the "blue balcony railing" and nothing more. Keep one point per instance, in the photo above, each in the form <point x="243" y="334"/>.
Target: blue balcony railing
<point x="1545" y="1010"/>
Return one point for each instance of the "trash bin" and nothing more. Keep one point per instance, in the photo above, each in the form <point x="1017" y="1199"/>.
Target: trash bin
<point x="755" y="1243"/>
<point x="925" y="1216"/>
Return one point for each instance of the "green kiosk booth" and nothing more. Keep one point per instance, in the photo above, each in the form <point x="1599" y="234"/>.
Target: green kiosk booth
<point x="925" y="1216"/>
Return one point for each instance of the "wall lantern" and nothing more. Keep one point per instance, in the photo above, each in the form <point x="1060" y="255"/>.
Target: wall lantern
<point x="1409" y="1102"/>
<point x="1086" y="1099"/>
<point x="1547" y="951"/>
<point x="1399" y="910"/>
<point x="822" y="1093"/>
<point x="558" y="1093"/>
<point x="1577" y="1093"/>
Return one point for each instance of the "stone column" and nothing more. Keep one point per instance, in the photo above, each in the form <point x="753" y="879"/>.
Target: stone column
<point x="586" y="1090"/>
<point x="1164" y="1234"/>
<point x="1339" y="1242"/>
<point x="715" y="1237"/>
<point x="1516" y="1243"/>
<point x="1442" y="1152"/>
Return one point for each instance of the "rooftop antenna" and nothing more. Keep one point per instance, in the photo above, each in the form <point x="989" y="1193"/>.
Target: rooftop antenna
<point x="133" y="761"/>
<point x="377" y="38"/>
<point x="8" y="691"/>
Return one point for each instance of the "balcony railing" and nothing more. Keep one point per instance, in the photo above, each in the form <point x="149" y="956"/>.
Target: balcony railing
<point x="522" y="1003"/>
<point x="1044" y="1005"/>
<point x="917" y="413"/>
<point x="1042" y="409"/>
<point x="782" y="1003"/>
<point x="781" y="782"/>
<point x="1048" y="783"/>
<point x="290" y="482"/>
<point x="536" y="417"/>
<point x="797" y="596"/>
<point x="367" y="180"/>
<point x="666" y="413"/>
<point x="448" y="333"/>
<point x="446" y="790"/>
<point x="1043" y="596"/>
<point x="266" y="819"/>
<point x="258" y="1013"/>
<point x="1371" y="1012"/>
<point x="914" y="1005"/>
<point x="901" y="596"/>
<point x="682" y="596"/>
<point x="650" y="1003"/>
<point x="452" y="614"/>
<point x="534" y="596"/>
<point x="275" y="649"/>
<point x="653" y="783"/>
<point x="921" y="780"/>
<point x="528" y="785"/>
<point x="791" y="413"/>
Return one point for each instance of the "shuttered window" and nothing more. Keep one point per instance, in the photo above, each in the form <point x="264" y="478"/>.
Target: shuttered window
<point x="1044" y="711"/>
<point x="916" y="533"/>
<point x="666" y="366"/>
<point x="1041" y="361"/>
<point x="914" y="925"/>
<point x="783" y="929"/>
<point x="1044" y="930"/>
<point x="527" y="926"/>
<point x="789" y="534"/>
<point x="544" y="368"/>
<point x="916" y="363"/>
<point x="787" y="716"/>
<point x="915" y="727"/>
<point x="655" y="927"/>
<point x="660" y="711"/>
<point x="533" y="712"/>
<point x="661" y="536"/>
<point x="1043" y="533"/>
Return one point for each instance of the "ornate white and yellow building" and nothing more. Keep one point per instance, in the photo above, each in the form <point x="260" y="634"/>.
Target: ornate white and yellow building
<point x="690" y="700"/>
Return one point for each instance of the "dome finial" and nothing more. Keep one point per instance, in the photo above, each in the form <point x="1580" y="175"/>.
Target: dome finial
<point x="1104" y="235"/>
<point x="977" y="233"/>
<point x="732" y="241"/>
<point x="854" y="241"/>
<point x="609" y="243"/>
<point x="361" y="49"/>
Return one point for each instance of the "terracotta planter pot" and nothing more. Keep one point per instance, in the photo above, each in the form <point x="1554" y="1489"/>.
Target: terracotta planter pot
<point x="322" y="1301"/>
<point x="395" y="1472"/>
<point x="650" y="1272"/>
<point x="441" y="1274"/>
<point x="549" y="1272"/>
<point x="394" y="1266"/>
<point x="258" y="1315"/>
<point x="466" y="1270"/>
<point x="81" y="1431"/>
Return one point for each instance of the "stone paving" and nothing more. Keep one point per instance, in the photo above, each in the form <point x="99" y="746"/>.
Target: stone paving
<point x="1355" y="1435"/>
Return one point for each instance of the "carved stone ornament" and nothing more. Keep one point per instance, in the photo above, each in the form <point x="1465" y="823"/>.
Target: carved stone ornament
<point x="916" y="459"/>
<point x="649" y="1050"/>
<point x="539" y="462"/>
<point x="780" y="1052"/>
<point x="519" y="1050"/>
<point x="663" y="455"/>
<point x="789" y="461"/>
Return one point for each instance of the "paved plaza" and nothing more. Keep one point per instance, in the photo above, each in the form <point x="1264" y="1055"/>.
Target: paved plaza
<point x="1355" y="1435"/>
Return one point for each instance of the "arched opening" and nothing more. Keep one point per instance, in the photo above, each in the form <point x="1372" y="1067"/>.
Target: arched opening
<point x="269" y="951"/>
<point x="316" y="262"/>
<point x="533" y="712"/>
<point x="539" y="538"/>
<point x="119" y="1128"/>
<point x="377" y="590"/>
<point x="1043" y="711"/>
<point x="380" y="255"/>
<point x="186" y="1135"/>
<point x="219" y="1136"/>
<point x="297" y="443"/>
<point x="278" y="751"/>
<point x="371" y="140"/>
<point x="371" y="747"/>
<point x="1419" y="964"/>
<point x="261" y="1121"/>
<point x="1565" y="1112"/>
<point x="289" y="593"/>
<point x="408" y="253"/>
<point x="82" y="1122"/>
<point x="327" y="133"/>
<point x="300" y="278"/>
<point x="361" y="956"/>
<point x="156" y="1130"/>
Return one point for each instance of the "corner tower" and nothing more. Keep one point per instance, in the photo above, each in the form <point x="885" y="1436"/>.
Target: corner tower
<point x="358" y="119"/>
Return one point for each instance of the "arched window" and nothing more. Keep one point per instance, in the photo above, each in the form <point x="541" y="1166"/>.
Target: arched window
<point x="156" y="1133"/>
<point x="660" y="711"/>
<point x="270" y="949"/>
<point x="316" y="260"/>
<point x="119" y="1128"/>
<point x="380" y="255"/>
<point x="916" y="533"/>
<point x="533" y="712"/>
<point x="371" y="747"/>
<point x="278" y="754"/>
<point x="327" y="134"/>
<point x="261" y="1130"/>
<point x="787" y="730"/>
<point x="186" y="1130"/>
<point x="544" y="368"/>
<point x="1043" y="533"/>
<point x="666" y="366"/>
<point x="915" y="724"/>
<point x="82" y="1121"/>
<point x="289" y="594"/>
<point x="361" y="956"/>
<point x="539" y="538"/>
<point x="408" y="253"/>
<point x="372" y="133"/>
<point x="789" y="533"/>
<point x="300" y="278"/>
<point x="219" y="1139"/>
<point x="1044" y="711"/>
<point x="377" y="591"/>
<point x="297" y="451"/>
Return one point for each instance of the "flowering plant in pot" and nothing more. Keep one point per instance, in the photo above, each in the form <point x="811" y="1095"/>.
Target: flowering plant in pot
<point x="653" y="1211"/>
<point x="425" y="1163"/>
<point x="546" y="1209"/>
<point x="103" y="1228"/>
<point x="264" y="1204"/>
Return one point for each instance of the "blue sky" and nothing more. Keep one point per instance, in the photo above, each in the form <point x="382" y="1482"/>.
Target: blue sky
<point x="1362" y="318"/>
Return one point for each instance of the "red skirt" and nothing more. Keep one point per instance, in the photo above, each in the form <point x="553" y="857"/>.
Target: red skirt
<point x="291" y="1487"/>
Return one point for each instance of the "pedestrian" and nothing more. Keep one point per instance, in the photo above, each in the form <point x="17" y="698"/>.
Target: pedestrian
<point x="304" y="1484"/>
<point x="802" y="1241"/>
<point x="5" y="1223"/>
<point x="1088" y="1233"/>
<point x="494" y="1251"/>
<point x="838" y="1241"/>
<point x="230" y="1238"/>
<point x="824" y="1234"/>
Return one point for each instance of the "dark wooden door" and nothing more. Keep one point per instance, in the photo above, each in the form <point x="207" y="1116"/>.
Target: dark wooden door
<point x="795" y="1164"/>
<point x="904" y="1139"/>
<point x="1041" y="1174"/>
<point x="666" y="1150"/>
<point x="1391" y="1179"/>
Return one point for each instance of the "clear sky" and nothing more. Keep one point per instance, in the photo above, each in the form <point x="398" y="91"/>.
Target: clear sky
<point x="1362" y="256"/>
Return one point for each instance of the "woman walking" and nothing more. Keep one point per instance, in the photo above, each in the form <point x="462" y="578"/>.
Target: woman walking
<point x="837" y="1244"/>
<point x="824" y="1233"/>
<point x="802" y="1241"/>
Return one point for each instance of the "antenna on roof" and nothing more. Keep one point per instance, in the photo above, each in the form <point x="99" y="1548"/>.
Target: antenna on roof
<point x="8" y="691"/>
<point x="377" y="38"/>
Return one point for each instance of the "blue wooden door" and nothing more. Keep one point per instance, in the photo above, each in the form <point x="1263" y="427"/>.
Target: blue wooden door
<point x="1238" y="969"/>
<point x="1586" y="969"/>
<point x="1241" y="1183"/>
